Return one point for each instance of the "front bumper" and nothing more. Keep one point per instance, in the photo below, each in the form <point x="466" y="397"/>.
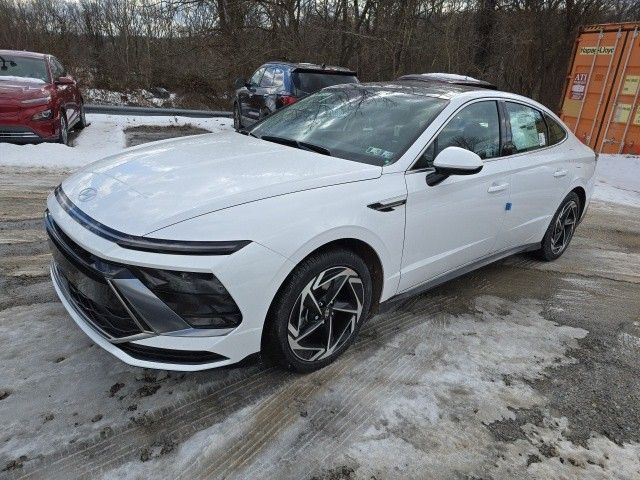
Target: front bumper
<point x="252" y="276"/>
<point x="21" y="134"/>
<point x="17" y="126"/>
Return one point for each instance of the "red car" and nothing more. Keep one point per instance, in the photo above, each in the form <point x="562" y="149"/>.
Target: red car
<point x="39" y="101"/>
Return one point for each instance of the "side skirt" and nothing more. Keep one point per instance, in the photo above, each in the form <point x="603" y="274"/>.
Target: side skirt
<point x="445" y="277"/>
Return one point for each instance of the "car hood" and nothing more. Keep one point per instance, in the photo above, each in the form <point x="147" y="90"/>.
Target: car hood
<point x="159" y="184"/>
<point x="15" y="89"/>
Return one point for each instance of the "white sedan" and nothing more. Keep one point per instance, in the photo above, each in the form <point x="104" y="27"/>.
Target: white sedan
<point x="194" y="253"/>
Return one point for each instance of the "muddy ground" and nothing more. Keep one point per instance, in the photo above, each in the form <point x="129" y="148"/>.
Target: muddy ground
<point x="148" y="133"/>
<point x="519" y="370"/>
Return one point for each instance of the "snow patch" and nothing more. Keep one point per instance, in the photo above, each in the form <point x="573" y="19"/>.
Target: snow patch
<point x="103" y="137"/>
<point x="618" y="179"/>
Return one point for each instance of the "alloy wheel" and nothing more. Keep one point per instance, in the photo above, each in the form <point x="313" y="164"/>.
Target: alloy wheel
<point x="325" y="314"/>
<point x="564" y="227"/>
<point x="64" y="133"/>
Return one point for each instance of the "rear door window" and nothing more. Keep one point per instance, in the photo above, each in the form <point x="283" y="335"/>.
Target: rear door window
<point x="278" y="78"/>
<point x="267" y="78"/>
<point x="528" y="129"/>
<point x="310" y="82"/>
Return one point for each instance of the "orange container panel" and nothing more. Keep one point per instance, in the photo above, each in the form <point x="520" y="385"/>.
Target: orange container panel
<point x="600" y="103"/>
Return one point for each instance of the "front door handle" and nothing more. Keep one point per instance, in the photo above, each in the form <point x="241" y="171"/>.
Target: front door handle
<point x="559" y="173"/>
<point x="495" y="187"/>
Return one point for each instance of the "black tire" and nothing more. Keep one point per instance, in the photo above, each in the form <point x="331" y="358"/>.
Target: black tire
<point x="559" y="230"/>
<point x="237" y="118"/>
<point x="63" y="135"/>
<point x="82" y="120"/>
<point x="330" y="319"/>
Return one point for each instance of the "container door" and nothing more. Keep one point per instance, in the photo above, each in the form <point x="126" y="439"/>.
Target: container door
<point x="620" y="132"/>
<point x="592" y="76"/>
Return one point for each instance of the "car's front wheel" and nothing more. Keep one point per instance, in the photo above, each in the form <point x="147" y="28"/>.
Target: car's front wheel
<point x="63" y="136"/>
<point x="561" y="229"/>
<point x="82" y="119"/>
<point x="319" y="310"/>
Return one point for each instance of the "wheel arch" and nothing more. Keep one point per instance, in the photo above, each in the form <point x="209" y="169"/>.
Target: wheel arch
<point x="582" y="195"/>
<point x="355" y="245"/>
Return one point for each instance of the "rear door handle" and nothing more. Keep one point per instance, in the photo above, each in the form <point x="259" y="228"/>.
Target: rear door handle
<point x="559" y="173"/>
<point x="494" y="188"/>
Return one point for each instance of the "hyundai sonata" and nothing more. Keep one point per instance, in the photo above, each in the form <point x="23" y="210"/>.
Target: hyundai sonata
<point x="193" y="253"/>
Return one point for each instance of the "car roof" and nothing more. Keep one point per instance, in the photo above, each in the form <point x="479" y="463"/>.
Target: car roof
<point x="431" y="89"/>
<point x="446" y="91"/>
<point x="24" y="53"/>
<point x="451" y="78"/>
<point x="310" y="66"/>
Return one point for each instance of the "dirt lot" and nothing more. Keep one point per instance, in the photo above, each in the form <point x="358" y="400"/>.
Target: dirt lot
<point x="518" y="370"/>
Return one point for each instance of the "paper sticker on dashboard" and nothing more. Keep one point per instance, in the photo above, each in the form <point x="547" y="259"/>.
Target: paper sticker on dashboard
<point x="379" y="152"/>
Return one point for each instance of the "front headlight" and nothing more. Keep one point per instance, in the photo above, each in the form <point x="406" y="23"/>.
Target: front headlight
<point x="199" y="298"/>
<point x="43" y="115"/>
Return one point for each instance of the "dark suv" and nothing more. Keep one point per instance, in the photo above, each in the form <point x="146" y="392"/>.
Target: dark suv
<point x="278" y="84"/>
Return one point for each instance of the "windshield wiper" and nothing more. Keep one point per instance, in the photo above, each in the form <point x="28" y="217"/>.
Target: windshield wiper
<point x="244" y="131"/>
<point x="295" y="143"/>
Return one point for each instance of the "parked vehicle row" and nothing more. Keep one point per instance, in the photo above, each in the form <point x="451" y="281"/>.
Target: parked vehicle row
<point x="286" y="236"/>
<point x="39" y="100"/>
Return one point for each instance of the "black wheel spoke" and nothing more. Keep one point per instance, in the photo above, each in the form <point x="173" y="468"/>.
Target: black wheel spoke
<point x="564" y="227"/>
<point x="325" y="314"/>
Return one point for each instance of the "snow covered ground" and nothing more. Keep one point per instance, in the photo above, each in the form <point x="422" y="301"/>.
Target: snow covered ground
<point x="618" y="180"/>
<point x="139" y="97"/>
<point x="105" y="136"/>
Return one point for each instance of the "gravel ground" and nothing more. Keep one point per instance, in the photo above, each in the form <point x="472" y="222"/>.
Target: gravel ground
<point x="518" y="370"/>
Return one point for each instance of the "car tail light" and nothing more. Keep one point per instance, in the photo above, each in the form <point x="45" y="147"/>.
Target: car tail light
<point x="199" y="298"/>
<point x="287" y="100"/>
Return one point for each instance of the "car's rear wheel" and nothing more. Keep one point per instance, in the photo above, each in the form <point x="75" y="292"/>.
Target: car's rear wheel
<point x="561" y="229"/>
<point x="237" y="119"/>
<point x="319" y="310"/>
<point x="63" y="136"/>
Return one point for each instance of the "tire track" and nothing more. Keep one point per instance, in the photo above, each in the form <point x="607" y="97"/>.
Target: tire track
<point x="360" y="384"/>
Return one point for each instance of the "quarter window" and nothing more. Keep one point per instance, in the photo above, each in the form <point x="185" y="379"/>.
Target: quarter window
<point x="528" y="130"/>
<point x="475" y="128"/>
<point x="556" y="132"/>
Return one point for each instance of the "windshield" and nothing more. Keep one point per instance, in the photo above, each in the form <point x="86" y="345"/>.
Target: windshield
<point x="371" y="125"/>
<point x="13" y="67"/>
<point x="310" y="82"/>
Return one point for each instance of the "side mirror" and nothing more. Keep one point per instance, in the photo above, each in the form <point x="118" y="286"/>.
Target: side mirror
<point x="65" y="80"/>
<point x="454" y="161"/>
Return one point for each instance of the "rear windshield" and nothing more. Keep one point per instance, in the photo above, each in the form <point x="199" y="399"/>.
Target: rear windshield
<point x="310" y="82"/>
<point x="12" y="67"/>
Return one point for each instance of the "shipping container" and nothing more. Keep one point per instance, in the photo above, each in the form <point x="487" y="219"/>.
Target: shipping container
<point x="600" y="101"/>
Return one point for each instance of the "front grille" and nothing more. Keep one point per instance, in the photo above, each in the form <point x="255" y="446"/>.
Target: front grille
<point x="84" y="280"/>
<point x="109" y="317"/>
<point x="17" y="133"/>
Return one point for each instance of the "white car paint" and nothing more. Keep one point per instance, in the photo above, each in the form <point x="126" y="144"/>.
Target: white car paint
<point x="289" y="202"/>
